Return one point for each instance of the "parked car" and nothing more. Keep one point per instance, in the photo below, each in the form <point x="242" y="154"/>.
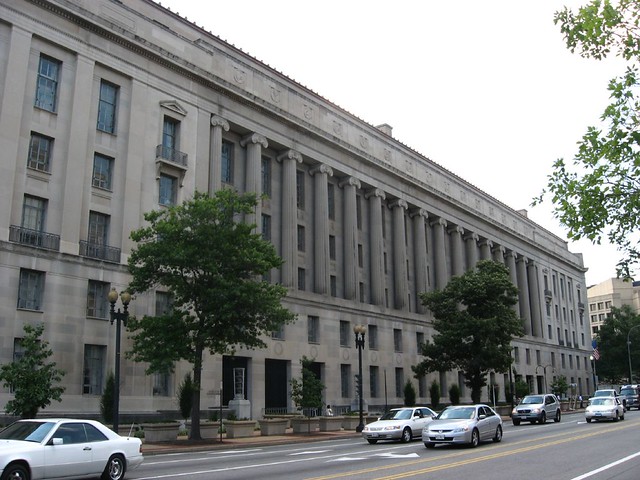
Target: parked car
<point x="66" y="448"/>
<point x="604" y="408"/>
<point x="537" y="408"/>
<point x="401" y="424"/>
<point x="630" y="395"/>
<point x="463" y="424"/>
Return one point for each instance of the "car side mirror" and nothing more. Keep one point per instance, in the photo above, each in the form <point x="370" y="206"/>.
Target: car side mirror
<point x="482" y="416"/>
<point x="56" y="441"/>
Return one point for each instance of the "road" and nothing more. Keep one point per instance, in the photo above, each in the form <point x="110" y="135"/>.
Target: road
<point x="569" y="450"/>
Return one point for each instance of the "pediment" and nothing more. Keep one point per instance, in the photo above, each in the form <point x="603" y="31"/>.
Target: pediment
<point x="174" y="107"/>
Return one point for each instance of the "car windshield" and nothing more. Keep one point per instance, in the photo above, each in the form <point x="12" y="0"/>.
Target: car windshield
<point x="28" y="431"/>
<point x="397" y="415"/>
<point x="457" y="413"/>
<point x="530" y="400"/>
<point x="627" y="391"/>
<point x="602" y="401"/>
<point x="604" y="393"/>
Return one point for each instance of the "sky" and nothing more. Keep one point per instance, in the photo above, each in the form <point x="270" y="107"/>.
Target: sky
<point x="486" y="89"/>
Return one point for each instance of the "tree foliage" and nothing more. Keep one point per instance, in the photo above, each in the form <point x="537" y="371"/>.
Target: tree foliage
<point x="409" y="394"/>
<point x="185" y="396"/>
<point x="559" y="386"/>
<point x="106" y="399"/>
<point x="306" y="391"/>
<point x="613" y="365"/>
<point x="474" y="322"/>
<point x="599" y="196"/>
<point x="212" y="264"/>
<point x="32" y="377"/>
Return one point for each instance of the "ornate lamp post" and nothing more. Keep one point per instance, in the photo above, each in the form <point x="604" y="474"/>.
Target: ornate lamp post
<point x="119" y="317"/>
<point x="593" y="370"/>
<point x="360" y="330"/>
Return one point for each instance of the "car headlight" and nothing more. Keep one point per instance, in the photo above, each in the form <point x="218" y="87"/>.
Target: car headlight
<point x="461" y="429"/>
<point x="514" y="411"/>
<point x="536" y="410"/>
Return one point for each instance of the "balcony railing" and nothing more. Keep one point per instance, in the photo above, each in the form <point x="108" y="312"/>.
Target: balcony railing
<point x="102" y="252"/>
<point x="34" y="238"/>
<point x="174" y="156"/>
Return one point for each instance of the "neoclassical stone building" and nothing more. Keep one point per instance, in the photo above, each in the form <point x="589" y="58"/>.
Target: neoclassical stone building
<point x="110" y="109"/>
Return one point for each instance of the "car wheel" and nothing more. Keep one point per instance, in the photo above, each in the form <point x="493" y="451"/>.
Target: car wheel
<point x="617" y="417"/>
<point x="622" y="417"/>
<point x="115" y="468"/>
<point x="475" y="438"/>
<point x="429" y="444"/>
<point x="372" y="441"/>
<point x="558" y="416"/>
<point x="588" y="420"/>
<point x="516" y="421"/>
<point x="498" y="436"/>
<point x="543" y="418"/>
<point x="406" y="435"/>
<point x="16" y="471"/>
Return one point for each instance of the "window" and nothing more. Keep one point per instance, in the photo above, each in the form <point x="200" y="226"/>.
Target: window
<point x="345" y="380"/>
<point x="266" y="176"/>
<point x="301" y="239"/>
<point x="300" y="189"/>
<point x="360" y="256"/>
<point x="40" y="152"/>
<point x="563" y="361"/>
<point x="553" y="359"/>
<point x="373" y="337"/>
<point x="47" y="83"/>
<point x="102" y="171"/>
<point x="266" y="227"/>
<point x="373" y="381"/>
<point x="527" y="356"/>
<point x="313" y="329"/>
<point x="161" y="384"/>
<point x="33" y="219"/>
<point x="278" y="334"/>
<point x="344" y="333"/>
<point x="170" y="131"/>
<point x="31" y="289"/>
<point x="333" y="281"/>
<point x="302" y="276"/>
<point x="419" y="342"/>
<point x="97" y="302"/>
<point x="332" y="247"/>
<point x="359" y="212"/>
<point x="397" y="340"/>
<point x="98" y="229"/>
<point x="331" y="199"/>
<point x="361" y="291"/>
<point x="516" y="354"/>
<point x="168" y="190"/>
<point x="399" y="382"/>
<point x="164" y="303"/>
<point x="227" y="162"/>
<point x="107" y="107"/>
<point x="93" y="369"/>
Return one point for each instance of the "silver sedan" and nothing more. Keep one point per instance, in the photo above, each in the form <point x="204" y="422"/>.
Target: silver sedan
<point x="464" y="424"/>
<point x="399" y="424"/>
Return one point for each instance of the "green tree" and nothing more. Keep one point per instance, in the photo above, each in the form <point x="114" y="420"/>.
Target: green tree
<point x="613" y="365"/>
<point x="599" y="196"/>
<point x="560" y="386"/>
<point x="185" y="396"/>
<point x="474" y="322"/>
<point x="522" y="388"/>
<point x="434" y="394"/>
<point x="106" y="399"/>
<point x="213" y="266"/>
<point x="454" y="394"/>
<point x="409" y="394"/>
<point x="306" y="391"/>
<point x="32" y="377"/>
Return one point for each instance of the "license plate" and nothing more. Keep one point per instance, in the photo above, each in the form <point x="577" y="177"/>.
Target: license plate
<point x="598" y="414"/>
<point x="439" y="437"/>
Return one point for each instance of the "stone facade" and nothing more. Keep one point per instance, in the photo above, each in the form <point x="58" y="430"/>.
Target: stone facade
<point x="110" y="109"/>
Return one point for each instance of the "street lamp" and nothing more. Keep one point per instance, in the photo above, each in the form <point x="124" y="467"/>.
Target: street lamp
<point x="544" y="368"/>
<point x="629" y="350"/>
<point x="359" y="330"/>
<point x="119" y="317"/>
<point x="593" y="369"/>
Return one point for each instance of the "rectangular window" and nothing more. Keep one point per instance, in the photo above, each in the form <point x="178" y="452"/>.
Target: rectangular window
<point x="359" y="212"/>
<point x="300" y="189"/>
<point x="331" y="199"/>
<point x="170" y="139"/>
<point x="399" y="382"/>
<point x="227" y="163"/>
<point x="527" y="356"/>
<point x="419" y="342"/>
<point x="266" y="176"/>
<point x="93" y="369"/>
<point x="266" y="227"/>
<point x="333" y="281"/>
<point x="161" y="384"/>
<point x="345" y="380"/>
<point x="516" y="354"/>
<point x="301" y="239"/>
<point x="107" y="107"/>
<point x="102" y="171"/>
<point x="374" y="374"/>
<point x="98" y="229"/>
<point x="278" y="334"/>
<point x="397" y="340"/>
<point x="313" y="329"/>
<point x="164" y="303"/>
<point x="47" y="83"/>
<point x="168" y="190"/>
<point x="373" y="337"/>
<point x="31" y="289"/>
<point x="332" y="247"/>
<point x="360" y="256"/>
<point x="33" y="217"/>
<point x="345" y="333"/>
<point x="97" y="302"/>
<point x="40" y="148"/>
<point x="361" y="291"/>
<point x="302" y="279"/>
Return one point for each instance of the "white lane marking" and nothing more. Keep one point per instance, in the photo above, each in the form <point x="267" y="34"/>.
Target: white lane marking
<point x="309" y="452"/>
<point x="398" y="455"/>
<point x="606" y="467"/>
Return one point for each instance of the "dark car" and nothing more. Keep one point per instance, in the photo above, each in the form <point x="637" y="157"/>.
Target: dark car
<point x="630" y="395"/>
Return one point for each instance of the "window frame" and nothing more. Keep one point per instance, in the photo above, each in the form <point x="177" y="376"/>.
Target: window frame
<point x="107" y="107"/>
<point x="47" y="82"/>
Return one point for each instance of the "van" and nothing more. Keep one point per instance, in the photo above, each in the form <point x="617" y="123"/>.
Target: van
<point x="630" y="395"/>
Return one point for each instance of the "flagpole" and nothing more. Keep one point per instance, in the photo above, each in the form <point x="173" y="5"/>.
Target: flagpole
<point x="594" y="357"/>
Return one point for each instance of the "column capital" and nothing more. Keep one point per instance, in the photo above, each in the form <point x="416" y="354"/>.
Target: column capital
<point x="472" y="236"/>
<point x="290" y="155"/>
<point x="399" y="203"/>
<point x="352" y="181"/>
<point x="511" y="253"/>
<point x="500" y="249"/>
<point x="440" y="221"/>
<point x="254" y="138"/>
<point x="321" y="168"/>
<point x="487" y="242"/>
<point x="419" y="212"/>
<point x="457" y="229"/>
<point x="217" y="121"/>
<point x="375" y="192"/>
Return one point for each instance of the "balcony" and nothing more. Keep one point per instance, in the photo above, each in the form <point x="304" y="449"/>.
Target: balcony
<point x="581" y="307"/>
<point x="34" y="238"/>
<point x="101" y="252"/>
<point x="547" y="295"/>
<point x="175" y="157"/>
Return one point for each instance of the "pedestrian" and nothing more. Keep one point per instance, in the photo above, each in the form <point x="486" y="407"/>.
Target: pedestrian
<point x="329" y="412"/>
<point x="581" y="401"/>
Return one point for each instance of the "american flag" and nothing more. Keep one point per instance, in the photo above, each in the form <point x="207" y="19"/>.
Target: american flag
<point x="596" y="352"/>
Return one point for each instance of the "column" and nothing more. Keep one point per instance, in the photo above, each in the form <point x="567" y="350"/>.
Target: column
<point x="253" y="182"/>
<point x="472" y="250"/>
<point x="350" y="244"/>
<point x="375" y="197"/>
<point x="498" y="254"/>
<point x="289" y="250"/>
<point x="523" y="293"/>
<point x="534" y="286"/>
<point x="457" y="256"/>
<point x="420" y="217"/>
<point x="485" y="249"/>
<point x="401" y="284"/>
<point x="218" y="124"/>
<point x="321" y="228"/>
<point x="440" y="252"/>
<point x="511" y="265"/>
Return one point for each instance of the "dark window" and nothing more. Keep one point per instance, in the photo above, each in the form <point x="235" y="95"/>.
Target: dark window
<point x="47" y="83"/>
<point x="40" y="148"/>
<point x="227" y="163"/>
<point x="107" y="107"/>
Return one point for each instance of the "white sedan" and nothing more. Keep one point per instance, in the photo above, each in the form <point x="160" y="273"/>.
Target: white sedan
<point x="604" y="408"/>
<point x="399" y="424"/>
<point x="65" y="448"/>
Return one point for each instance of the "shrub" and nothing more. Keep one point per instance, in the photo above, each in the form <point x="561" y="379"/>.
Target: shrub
<point x="185" y="396"/>
<point x="409" y="394"/>
<point x="434" y="393"/>
<point x="454" y="394"/>
<point x="106" y="400"/>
